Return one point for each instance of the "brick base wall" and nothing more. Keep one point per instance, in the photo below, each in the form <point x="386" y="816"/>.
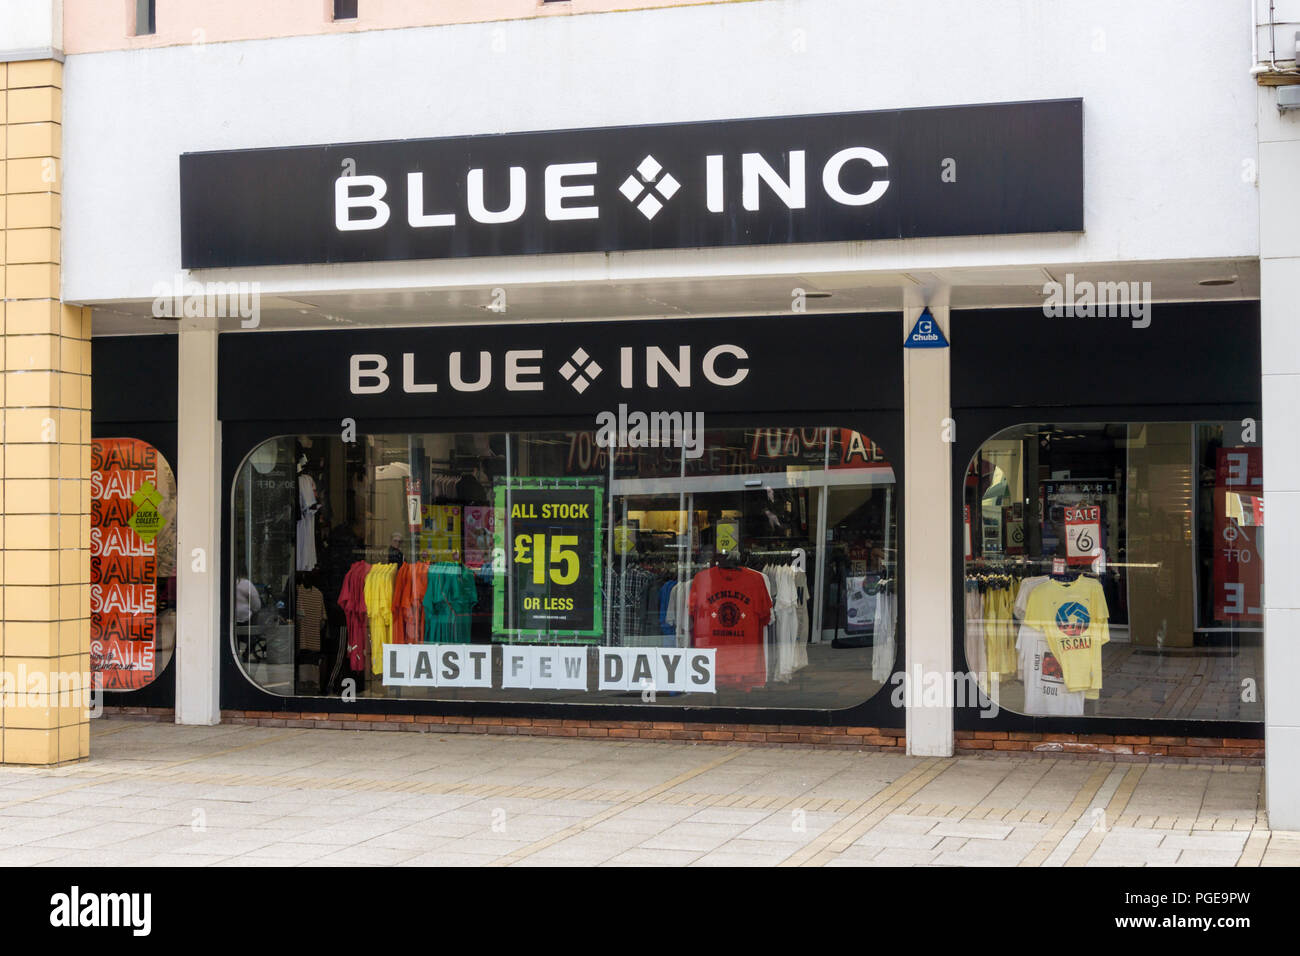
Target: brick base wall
<point x="1096" y="746"/>
<point x="771" y="735"/>
<point x="1216" y="749"/>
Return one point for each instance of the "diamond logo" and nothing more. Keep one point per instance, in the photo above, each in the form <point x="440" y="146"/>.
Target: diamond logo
<point x="580" y="370"/>
<point x="641" y="191"/>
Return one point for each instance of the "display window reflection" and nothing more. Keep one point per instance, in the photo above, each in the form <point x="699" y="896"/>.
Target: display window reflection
<point x="1116" y="570"/>
<point x="755" y="567"/>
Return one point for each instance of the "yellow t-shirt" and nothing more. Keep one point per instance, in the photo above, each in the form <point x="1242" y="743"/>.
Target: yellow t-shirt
<point x="999" y="632"/>
<point x="379" y="608"/>
<point x="1075" y="620"/>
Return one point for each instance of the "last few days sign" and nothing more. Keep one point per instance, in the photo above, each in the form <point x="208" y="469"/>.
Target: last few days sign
<point x="650" y="670"/>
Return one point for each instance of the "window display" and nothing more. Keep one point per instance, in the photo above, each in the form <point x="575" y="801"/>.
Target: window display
<point x="1115" y="570"/>
<point x="752" y="569"/>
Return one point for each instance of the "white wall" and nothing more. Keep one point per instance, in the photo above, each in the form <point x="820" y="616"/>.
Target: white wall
<point x="1279" y="181"/>
<point x="30" y="27"/>
<point x="1169" y="118"/>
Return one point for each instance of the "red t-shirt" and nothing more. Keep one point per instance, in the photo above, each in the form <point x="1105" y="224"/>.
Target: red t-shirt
<point x="729" y="608"/>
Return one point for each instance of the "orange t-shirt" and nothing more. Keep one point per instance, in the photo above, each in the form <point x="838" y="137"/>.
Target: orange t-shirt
<point x="401" y="603"/>
<point x="415" y="620"/>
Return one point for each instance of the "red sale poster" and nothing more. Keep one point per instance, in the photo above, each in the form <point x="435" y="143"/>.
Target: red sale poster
<point x="1238" y="535"/>
<point x="480" y="523"/>
<point x="124" y="524"/>
<point x="1082" y="534"/>
<point x="965" y="517"/>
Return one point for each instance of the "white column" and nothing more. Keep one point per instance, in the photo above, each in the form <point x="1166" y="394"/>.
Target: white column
<point x="198" y="553"/>
<point x="1279" y="264"/>
<point x="927" y="526"/>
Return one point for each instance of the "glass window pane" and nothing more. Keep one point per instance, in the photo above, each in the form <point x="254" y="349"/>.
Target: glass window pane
<point x="1115" y="570"/>
<point x="145" y="22"/>
<point x="132" y="563"/>
<point x="746" y="567"/>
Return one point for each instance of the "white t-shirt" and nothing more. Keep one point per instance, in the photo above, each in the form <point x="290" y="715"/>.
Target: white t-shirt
<point x="801" y="620"/>
<point x="306" y="529"/>
<point x="882" y="648"/>
<point x="1022" y="596"/>
<point x="1045" y="693"/>
<point x="679" y="599"/>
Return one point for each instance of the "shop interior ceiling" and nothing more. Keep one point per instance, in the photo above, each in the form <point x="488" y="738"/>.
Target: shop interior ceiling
<point x="283" y="308"/>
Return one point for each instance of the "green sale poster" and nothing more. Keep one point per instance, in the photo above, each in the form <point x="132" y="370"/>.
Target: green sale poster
<point x="548" y="539"/>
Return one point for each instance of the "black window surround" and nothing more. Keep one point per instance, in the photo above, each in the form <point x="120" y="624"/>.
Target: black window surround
<point x="845" y="370"/>
<point x="1195" y="362"/>
<point x="133" y="395"/>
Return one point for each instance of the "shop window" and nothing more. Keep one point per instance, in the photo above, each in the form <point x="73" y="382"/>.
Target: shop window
<point x="132" y="563"/>
<point x="747" y="567"/>
<point x="1116" y="570"/>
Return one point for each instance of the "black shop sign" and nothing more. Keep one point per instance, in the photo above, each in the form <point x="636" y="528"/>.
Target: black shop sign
<point x="789" y="364"/>
<point x="889" y="174"/>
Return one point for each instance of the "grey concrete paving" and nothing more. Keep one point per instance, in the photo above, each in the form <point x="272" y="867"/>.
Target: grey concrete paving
<point x="156" y="794"/>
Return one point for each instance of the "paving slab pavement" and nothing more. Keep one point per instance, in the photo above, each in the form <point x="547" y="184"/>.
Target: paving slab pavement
<point x="158" y="794"/>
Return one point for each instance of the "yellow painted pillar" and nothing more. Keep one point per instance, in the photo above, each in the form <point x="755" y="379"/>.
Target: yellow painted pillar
<point x="45" y="456"/>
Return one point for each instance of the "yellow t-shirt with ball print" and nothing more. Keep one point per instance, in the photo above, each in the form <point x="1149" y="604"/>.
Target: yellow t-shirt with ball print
<point x="1075" y="620"/>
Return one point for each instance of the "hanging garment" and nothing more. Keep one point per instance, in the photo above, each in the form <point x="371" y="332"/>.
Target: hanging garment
<point x="769" y="632"/>
<point x="1045" y="690"/>
<point x="999" y="632"/>
<point x="976" y="661"/>
<point x="306" y="529"/>
<point x="882" y="648"/>
<point x="1022" y="595"/>
<point x="437" y="613"/>
<point x="415" y="620"/>
<point x="786" y="623"/>
<point x="678" y="616"/>
<point x="1074" y="618"/>
<point x="729" y="607"/>
<point x="379" y="612"/>
<point x="666" y="627"/>
<point x="448" y="599"/>
<point x="462" y="600"/>
<point x="352" y="600"/>
<point x="401" y="602"/>
<point x="801" y="620"/>
<point x="627" y="607"/>
<point x="309" y="617"/>
<point x="777" y="669"/>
